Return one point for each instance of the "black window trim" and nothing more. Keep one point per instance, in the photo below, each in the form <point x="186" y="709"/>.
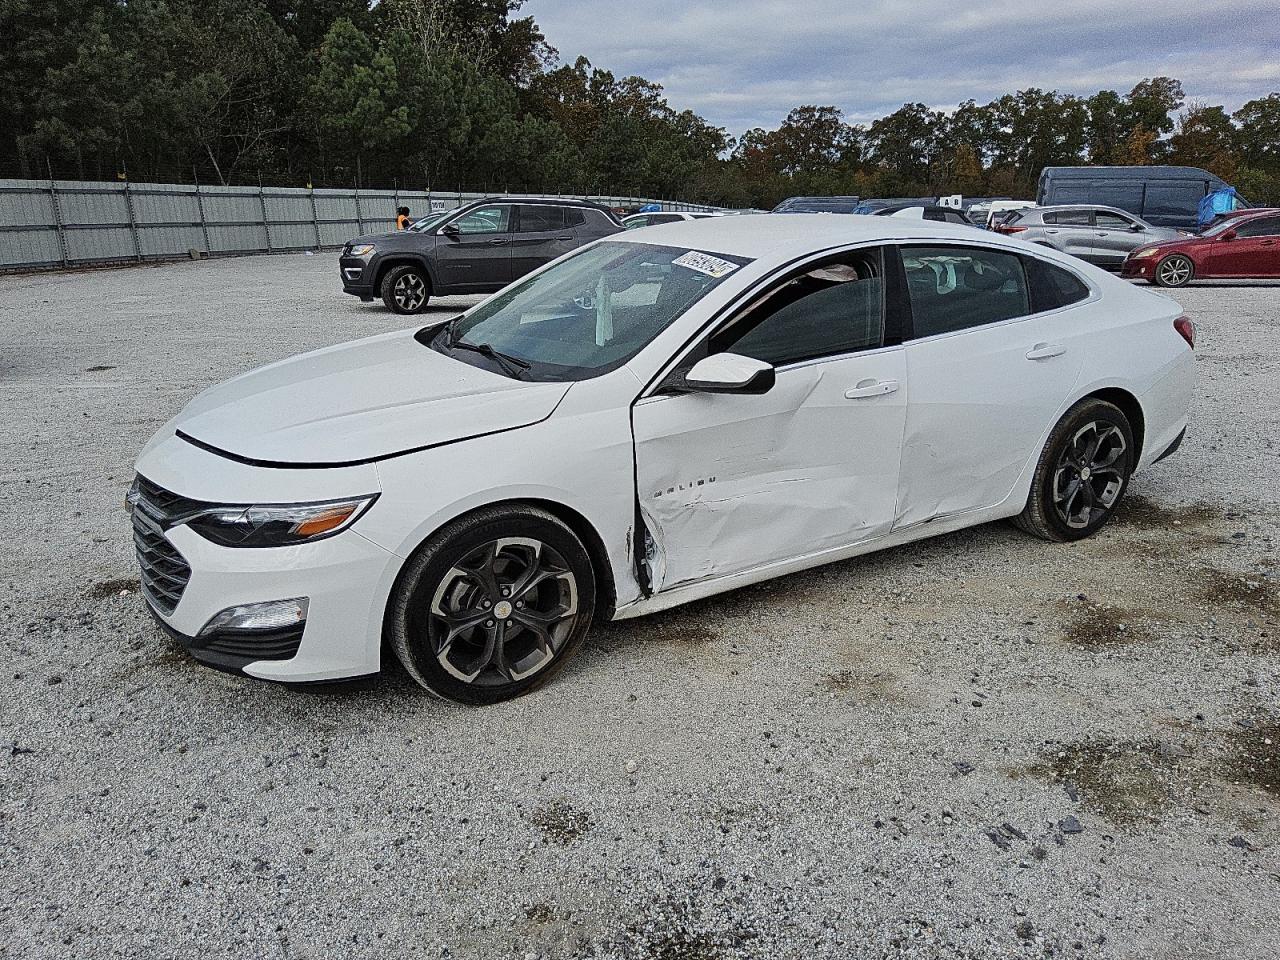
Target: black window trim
<point x="909" y="336"/>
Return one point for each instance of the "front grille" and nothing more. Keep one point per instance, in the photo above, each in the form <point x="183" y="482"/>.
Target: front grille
<point x="164" y="571"/>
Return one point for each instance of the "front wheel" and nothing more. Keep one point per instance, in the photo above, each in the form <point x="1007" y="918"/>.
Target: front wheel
<point x="405" y="289"/>
<point x="493" y="605"/>
<point x="1174" y="270"/>
<point x="1082" y="473"/>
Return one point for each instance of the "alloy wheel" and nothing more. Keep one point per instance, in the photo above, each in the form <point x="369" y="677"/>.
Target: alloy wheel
<point x="1175" y="271"/>
<point x="410" y="292"/>
<point x="1090" y="474"/>
<point x="503" y="612"/>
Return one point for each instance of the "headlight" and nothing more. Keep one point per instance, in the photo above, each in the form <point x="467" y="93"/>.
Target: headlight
<point x="360" y="250"/>
<point x="1144" y="252"/>
<point x="280" y="525"/>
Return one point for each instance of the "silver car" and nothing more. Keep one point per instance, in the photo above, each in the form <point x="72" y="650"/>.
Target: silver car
<point x="1101" y="235"/>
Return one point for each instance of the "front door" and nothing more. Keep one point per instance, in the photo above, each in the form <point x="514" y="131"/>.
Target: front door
<point x="985" y="380"/>
<point x="477" y="258"/>
<point x="1113" y="237"/>
<point x="730" y="482"/>
<point x="538" y="236"/>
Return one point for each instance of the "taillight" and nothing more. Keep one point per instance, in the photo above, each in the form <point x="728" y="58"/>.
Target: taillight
<point x="1187" y="329"/>
<point x="1004" y="229"/>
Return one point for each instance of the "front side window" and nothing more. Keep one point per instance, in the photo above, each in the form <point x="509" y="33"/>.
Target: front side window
<point x="1262" y="227"/>
<point x="1105" y="220"/>
<point x="834" y="308"/>
<point x="954" y="288"/>
<point x="590" y="313"/>
<point x="495" y="219"/>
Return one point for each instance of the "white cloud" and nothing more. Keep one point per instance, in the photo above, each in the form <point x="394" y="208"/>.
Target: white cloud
<point x="746" y="63"/>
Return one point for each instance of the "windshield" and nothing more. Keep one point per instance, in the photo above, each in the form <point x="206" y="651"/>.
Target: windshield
<point x="817" y="205"/>
<point x="1216" y="228"/>
<point x="432" y="220"/>
<point x="587" y="315"/>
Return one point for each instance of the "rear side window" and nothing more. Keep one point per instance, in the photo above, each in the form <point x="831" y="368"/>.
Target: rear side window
<point x="955" y="288"/>
<point x="573" y="217"/>
<point x="1068" y="218"/>
<point x="1052" y="286"/>
<point x="539" y="218"/>
<point x="596" y="220"/>
<point x="832" y="309"/>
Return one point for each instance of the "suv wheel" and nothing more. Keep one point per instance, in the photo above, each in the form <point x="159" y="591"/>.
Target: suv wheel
<point x="1082" y="474"/>
<point x="493" y="605"/>
<point x="1175" y="270"/>
<point x="405" y="289"/>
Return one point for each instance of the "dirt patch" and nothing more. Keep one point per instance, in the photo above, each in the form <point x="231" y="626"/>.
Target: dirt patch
<point x="106" y="589"/>
<point x="1142" y="514"/>
<point x="881" y="685"/>
<point x="688" y="635"/>
<point x="1098" y="625"/>
<point x="1254" y="590"/>
<point x="560" y="823"/>
<point x="539" y="913"/>
<point x="1254" y="756"/>
<point x="1126" y="781"/>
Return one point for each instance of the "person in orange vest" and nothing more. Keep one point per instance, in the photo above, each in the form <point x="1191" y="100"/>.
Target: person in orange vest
<point x="402" y="218"/>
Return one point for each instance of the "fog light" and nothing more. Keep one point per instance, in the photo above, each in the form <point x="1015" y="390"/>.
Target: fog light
<point x="258" y="617"/>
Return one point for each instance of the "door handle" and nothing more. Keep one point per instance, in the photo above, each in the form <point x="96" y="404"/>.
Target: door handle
<point x="870" y="388"/>
<point x="1265" y="243"/>
<point x="496" y="241"/>
<point x="1043" y="351"/>
<point x="564" y="239"/>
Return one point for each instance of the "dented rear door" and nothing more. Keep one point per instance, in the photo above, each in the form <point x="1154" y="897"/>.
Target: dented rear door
<point x="729" y="482"/>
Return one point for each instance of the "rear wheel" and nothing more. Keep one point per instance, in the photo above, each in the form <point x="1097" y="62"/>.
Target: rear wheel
<point x="405" y="289"/>
<point x="493" y="605"/>
<point x="1082" y="473"/>
<point x="1175" y="270"/>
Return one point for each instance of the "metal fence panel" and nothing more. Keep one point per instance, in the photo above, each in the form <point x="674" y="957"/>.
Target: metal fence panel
<point x="51" y="223"/>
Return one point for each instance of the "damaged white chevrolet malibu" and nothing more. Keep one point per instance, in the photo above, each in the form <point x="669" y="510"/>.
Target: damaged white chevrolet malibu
<point x="661" y="416"/>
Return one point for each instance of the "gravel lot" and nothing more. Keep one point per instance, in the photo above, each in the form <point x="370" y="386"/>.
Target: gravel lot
<point x="976" y="746"/>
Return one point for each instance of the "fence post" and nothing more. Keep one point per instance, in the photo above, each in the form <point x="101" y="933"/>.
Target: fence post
<point x="315" y="217"/>
<point x="204" y="226"/>
<point x="266" y="226"/>
<point x="57" y="216"/>
<point x="133" y="220"/>
<point x="359" y="215"/>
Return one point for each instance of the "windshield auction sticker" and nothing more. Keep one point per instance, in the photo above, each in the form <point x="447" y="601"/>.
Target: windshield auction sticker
<point x="705" y="263"/>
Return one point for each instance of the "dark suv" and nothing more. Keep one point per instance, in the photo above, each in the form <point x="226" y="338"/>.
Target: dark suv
<point x="478" y="248"/>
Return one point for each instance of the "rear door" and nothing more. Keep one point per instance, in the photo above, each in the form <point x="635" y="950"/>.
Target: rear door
<point x="985" y="378"/>
<point x="538" y="236"/>
<point x="1071" y="231"/>
<point x="478" y="258"/>
<point x="730" y="482"/>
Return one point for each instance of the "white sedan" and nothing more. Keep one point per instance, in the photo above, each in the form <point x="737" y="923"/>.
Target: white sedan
<point x="644" y="423"/>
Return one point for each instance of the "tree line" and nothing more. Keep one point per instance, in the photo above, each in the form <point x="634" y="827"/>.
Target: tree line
<point x="467" y="94"/>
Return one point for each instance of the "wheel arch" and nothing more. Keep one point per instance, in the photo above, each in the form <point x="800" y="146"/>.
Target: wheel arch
<point x="606" y="589"/>
<point x="1131" y="408"/>
<point x="404" y="259"/>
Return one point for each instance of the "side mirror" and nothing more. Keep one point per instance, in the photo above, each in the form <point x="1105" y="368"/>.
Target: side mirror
<point x="730" y="373"/>
<point x="1228" y="234"/>
<point x="450" y="230"/>
<point x="1138" y="228"/>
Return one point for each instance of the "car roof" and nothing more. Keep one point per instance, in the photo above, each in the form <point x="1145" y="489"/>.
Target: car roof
<point x="762" y="235"/>
<point x="1057" y="207"/>
<point x="557" y="201"/>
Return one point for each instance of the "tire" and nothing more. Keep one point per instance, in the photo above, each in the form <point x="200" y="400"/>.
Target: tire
<point x="1053" y="511"/>
<point x="441" y="618"/>
<point x="1175" y="270"/>
<point x="405" y="289"/>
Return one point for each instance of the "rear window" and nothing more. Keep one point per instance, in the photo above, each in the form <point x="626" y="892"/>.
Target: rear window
<point x="1052" y="286"/>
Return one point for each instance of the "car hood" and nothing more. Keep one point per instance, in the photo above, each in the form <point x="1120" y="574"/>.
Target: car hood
<point x="360" y="401"/>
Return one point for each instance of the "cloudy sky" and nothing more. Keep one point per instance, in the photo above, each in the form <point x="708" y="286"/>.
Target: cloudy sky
<point x="745" y="63"/>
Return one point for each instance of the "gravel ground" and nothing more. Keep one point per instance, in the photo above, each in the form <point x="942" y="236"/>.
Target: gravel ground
<point x="976" y="746"/>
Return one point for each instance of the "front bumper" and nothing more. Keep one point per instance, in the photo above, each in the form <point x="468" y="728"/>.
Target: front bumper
<point x="357" y="276"/>
<point x="345" y="579"/>
<point x="1138" y="269"/>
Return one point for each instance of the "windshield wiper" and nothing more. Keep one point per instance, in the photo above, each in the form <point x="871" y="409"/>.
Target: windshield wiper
<point x="514" y="366"/>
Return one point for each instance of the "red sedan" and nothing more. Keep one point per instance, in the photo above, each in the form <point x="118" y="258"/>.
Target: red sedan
<point x="1243" y="247"/>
